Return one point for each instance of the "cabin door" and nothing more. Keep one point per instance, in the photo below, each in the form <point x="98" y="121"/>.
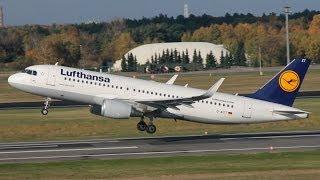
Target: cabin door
<point x="247" y="109"/>
<point x="51" y="80"/>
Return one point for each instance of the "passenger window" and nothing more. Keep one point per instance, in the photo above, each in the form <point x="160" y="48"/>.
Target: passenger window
<point x="34" y="73"/>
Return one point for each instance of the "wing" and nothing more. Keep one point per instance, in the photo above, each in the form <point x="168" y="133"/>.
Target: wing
<point x="173" y="103"/>
<point x="172" y="80"/>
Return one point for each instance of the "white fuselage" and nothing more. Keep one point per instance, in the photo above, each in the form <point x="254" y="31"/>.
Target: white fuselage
<point x="73" y="84"/>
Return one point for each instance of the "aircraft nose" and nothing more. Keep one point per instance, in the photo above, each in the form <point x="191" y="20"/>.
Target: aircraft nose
<point x="13" y="79"/>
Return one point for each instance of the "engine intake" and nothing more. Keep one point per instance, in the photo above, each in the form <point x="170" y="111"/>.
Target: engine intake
<point x="115" y="109"/>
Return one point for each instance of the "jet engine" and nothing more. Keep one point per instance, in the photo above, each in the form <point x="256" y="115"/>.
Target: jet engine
<point x="115" y="109"/>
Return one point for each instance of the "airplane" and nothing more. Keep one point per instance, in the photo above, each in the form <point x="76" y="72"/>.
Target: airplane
<point x="122" y="97"/>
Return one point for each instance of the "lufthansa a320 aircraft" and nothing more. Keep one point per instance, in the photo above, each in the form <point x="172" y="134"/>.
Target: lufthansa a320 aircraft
<point x="123" y="97"/>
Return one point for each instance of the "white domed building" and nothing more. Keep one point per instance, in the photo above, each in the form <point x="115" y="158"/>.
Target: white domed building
<point x="144" y="53"/>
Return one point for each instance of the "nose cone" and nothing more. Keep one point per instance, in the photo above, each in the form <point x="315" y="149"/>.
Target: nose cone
<point x="12" y="79"/>
<point x="15" y="79"/>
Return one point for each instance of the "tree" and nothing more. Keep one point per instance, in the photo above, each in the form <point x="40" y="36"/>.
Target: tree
<point x="211" y="61"/>
<point x="135" y="63"/>
<point x="123" y="44"/>
<point x="223" y="61"/>
<point x="124" y="65"/>
<point x="175" y="56"/>
<point x="195" y="56"/>
<point x="132" y="63"/>
<point x="199" y="59"/>
<point x="186" y="59"/>
<point x="239" y="55"/>
<point x="315" y="25"/>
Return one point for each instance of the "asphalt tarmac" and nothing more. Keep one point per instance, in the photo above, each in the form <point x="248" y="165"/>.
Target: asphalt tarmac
<point x="158" y="146"/>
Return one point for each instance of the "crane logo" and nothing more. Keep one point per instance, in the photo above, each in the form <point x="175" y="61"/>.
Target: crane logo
<point x="289" y="81"/>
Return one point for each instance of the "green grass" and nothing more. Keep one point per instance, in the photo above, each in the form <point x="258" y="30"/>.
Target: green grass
<point x="285" y="165"/>
<point x="78" y="123"/>
<point x="245" y="82"/>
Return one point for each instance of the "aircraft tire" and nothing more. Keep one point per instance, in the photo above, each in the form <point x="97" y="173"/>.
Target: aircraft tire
<point x="44" y="111"/>
<point x="151" y="129"/>
<point x="141" y="126"/>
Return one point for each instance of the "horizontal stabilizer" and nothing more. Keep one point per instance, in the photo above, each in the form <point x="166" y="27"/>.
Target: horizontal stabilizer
<point x="289" y="112"/>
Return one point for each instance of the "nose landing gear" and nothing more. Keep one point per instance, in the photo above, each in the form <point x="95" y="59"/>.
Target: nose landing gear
<point x="149" y="128"/>
<point x="44" y="110"/>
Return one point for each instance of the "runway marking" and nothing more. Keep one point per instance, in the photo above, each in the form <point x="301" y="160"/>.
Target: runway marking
<point x="65" y="150"/>
<point x="57" y="142"/>
<point x="273" y="137"/>
<point x="106" y="140"/>
<point x="28" y="146"/>
<point x="158" y="152"/>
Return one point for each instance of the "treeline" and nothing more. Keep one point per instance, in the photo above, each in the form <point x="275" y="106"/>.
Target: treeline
<point x="173" y="58"/>
<point x="100" y="44"/>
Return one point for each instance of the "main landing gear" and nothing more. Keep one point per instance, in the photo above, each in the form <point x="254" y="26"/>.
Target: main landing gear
<point x="150" y="128"/>
<point x="44" y="110"/>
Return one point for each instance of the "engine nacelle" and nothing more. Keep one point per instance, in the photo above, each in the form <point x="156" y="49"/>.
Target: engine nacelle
<point x="115" y="109"/>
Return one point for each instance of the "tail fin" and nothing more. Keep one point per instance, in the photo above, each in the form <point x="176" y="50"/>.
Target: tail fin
<point x="284" y="86"/>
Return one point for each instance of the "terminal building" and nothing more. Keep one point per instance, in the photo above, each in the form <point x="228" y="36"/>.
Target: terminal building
<point x="144" y="53"/>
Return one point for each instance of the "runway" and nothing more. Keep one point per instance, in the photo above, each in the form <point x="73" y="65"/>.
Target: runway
<point x="157" y="146"/>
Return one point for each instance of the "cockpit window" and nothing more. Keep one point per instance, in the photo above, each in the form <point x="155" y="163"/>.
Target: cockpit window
<point x="31" y="72"/>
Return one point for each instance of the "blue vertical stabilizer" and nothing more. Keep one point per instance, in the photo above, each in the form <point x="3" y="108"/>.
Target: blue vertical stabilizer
<point x="284" y="86"/>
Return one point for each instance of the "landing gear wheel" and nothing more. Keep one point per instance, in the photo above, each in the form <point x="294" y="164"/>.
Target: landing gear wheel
<point x="151" y="129"/>
<point x="44" y="111"/>
<point x="141" y="126"/>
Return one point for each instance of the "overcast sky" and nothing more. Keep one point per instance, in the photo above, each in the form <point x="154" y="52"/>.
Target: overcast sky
<point x="19" y="12"/>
